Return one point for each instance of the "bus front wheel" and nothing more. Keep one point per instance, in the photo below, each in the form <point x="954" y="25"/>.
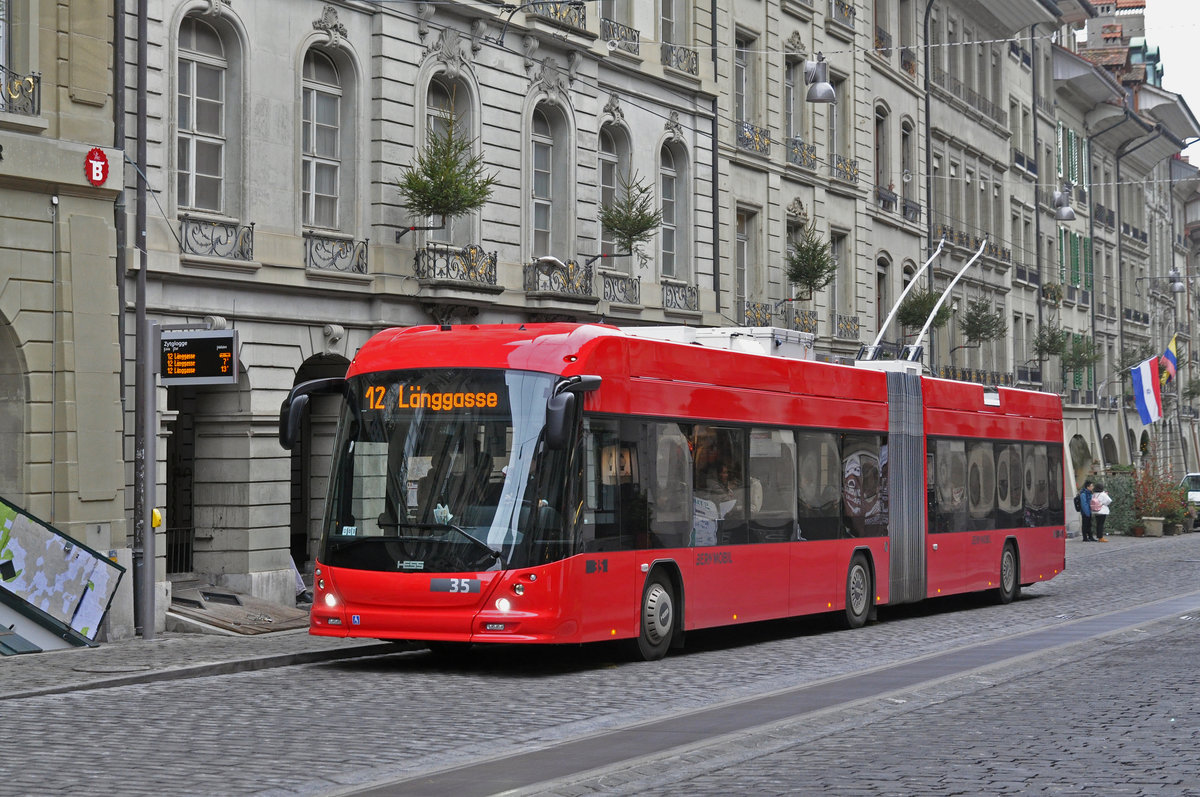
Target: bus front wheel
<point x="1010" y="583"/>
<point x="657" y="620"/>
<point x="858" y="592"/>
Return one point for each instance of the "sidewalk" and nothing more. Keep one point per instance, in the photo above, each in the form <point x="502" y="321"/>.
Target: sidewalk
<point x="171" y="656"/>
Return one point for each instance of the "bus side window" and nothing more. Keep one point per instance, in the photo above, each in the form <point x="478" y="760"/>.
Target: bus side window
<point x="949" y="486"/>
<point x="819" y="485"/>
<point x="671" y="515"/>
<point x="772" y="485"/>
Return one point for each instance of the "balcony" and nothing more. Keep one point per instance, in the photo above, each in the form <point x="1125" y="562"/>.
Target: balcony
<point x="573" y="15"/>
<point x="951" y="84"/>
<point x="756" y="314"/>
<point x="21" y="94"/>
<point x="225" y="240"/>
<point x="800" y="320"/>
<point x="842" y="168"/>
<point x="568" y="279"/>
<point x="1029" y="375"/>
<point x="333" y="253"/>
<point x="908" y="61"/>
<point x="979" y="376"/>
<point x="912" y="210"/>
<point x="1044" y="105"/>
<point x="801" y="154"/>
<point x="886" y="198"/>
<point x="680" y="296"/>
<point x="465" y="267"/>
<point x="1105" y="216"/>
<point x="845" y="327"/>
<point x="682" y="58"/>
<point x="628" y="39"/>
<point x="753" y="138"/>
<point x="883" y="42"/>
<point x="621" y="288"/>
<point x="842" y="12"/>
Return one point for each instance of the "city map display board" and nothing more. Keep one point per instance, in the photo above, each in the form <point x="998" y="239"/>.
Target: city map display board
<point x="48" y="570"/>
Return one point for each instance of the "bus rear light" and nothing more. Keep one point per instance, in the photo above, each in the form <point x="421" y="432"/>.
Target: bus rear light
<point x="503" y="605"/>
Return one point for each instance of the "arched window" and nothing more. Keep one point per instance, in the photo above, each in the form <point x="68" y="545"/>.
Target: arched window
<point x="201" y="126"/>
<point x="447" y="101"/>
<point x="543" y="184"/>
<point x="321" y="147"/>
<point x="673" y="201"/>
<point x="614" y="170"/>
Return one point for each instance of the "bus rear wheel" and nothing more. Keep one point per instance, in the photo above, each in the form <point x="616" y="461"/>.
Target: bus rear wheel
<point x="1010" y="583"/>
<point x="657" y="619"/>
<point x="858" y="592"/>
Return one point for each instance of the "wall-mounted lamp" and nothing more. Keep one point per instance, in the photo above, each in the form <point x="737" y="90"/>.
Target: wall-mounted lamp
<point x="816" y="76"/>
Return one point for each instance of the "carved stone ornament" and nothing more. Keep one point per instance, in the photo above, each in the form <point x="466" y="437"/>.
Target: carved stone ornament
<point x="444" y="314"/>
<point x="529" y="46"/>
<point x="477" y="31"/>
<point x="612" y="108"/>
<point x="673" y="128"/>
<point x="424" y="13"/>
<point x="794" y="46"/>
<point x="329" y="23"/>
<point x="216" y="7"/>
<point x="798" y="211"/>
<point x="449" y="52"/>
<point x="551" y="79"/>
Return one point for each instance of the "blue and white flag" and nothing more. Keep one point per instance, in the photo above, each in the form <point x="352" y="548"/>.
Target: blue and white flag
<point x="1146" y="391"/>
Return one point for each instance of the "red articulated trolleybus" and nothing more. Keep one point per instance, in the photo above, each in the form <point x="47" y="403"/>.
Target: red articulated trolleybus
<point x="572" y="483"/>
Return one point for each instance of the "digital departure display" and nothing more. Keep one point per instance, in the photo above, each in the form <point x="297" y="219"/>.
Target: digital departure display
<point x="199" y="357"/>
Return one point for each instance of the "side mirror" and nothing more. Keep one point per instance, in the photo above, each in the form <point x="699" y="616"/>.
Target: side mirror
<point x="291" y="412"/>
<point x="560" y="412"/>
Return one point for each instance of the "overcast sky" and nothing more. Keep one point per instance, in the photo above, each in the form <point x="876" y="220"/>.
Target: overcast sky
<point x="1174" y="27"/>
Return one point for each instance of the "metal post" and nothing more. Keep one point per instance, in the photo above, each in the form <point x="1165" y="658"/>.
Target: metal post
<point x="149" y="482"/>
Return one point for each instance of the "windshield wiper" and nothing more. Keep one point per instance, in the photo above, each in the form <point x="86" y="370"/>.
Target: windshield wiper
<point x="498" y="556"/>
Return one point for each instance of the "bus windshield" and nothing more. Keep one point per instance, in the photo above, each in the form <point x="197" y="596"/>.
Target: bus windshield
<point x="444" y="471"/>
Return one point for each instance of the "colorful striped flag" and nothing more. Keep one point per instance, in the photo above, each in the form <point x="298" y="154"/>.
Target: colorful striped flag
<point x="1168" y="362"/>
<point x="1146" y="390"/>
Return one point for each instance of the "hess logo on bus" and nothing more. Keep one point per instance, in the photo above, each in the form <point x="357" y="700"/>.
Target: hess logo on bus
<point x="412" y="397"/>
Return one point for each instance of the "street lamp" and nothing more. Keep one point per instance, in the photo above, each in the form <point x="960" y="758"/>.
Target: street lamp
<point x="1062" y="204"/>
<point x="816" y="76"/>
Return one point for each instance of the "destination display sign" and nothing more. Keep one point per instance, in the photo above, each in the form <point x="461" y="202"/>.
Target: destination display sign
<point x="199" y="357"/>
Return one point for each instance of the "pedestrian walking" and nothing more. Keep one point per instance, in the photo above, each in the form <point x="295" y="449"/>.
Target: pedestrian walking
<point x="1084" y="504"/>
<point x="1099" y="505"/>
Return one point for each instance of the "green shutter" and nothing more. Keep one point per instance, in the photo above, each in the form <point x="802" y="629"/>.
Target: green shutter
<point x="1087" y="263"/>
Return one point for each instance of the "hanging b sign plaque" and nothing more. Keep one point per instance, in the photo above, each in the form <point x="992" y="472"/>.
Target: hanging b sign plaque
<point x="95" y="166"/>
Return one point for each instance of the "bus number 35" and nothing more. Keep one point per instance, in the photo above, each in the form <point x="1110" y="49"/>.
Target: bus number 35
<point x="454" y="585"/>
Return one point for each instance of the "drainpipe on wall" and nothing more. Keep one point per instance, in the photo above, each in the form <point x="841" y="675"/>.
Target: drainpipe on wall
<point x="716" y="178"/>
<point x="119" y="220"/>
<point x="929" y="172"/>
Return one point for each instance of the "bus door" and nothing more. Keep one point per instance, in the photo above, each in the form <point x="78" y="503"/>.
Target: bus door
<point x="948" y="542"/>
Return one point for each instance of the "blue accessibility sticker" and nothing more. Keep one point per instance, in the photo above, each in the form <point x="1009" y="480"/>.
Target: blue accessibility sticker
<point x="355" y="619"/>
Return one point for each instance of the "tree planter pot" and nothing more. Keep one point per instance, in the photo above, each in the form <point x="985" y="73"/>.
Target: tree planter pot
<point x="1154" y="526"/>
<point x="1137" y="531"/>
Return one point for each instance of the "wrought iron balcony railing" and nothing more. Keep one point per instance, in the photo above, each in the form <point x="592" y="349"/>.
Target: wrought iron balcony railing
<point x="883" y="42"/>
<point x="680" y="296"/>
<point x="627" y="38"/>
<point x="843" y="168"/>
<point x="621" y="288"/>
<point x="908" y="61"/>
<point x="222" y="239"/>
<point x="568" y="279"/>
<point x="845" y="326"/>
<point x="327" y="253"/>
<point x="886" y="197"/>
<point x="842" y="12"/>
<point x="753" y="138"/>
<point x="685" y="59"/>
<point x="20" y="94"/>
<point x="573" y="14"/>
<point x="800" y="319"/>
<point x="801" y="154"/>
<point x="756" y="314"/>
<point x="912" y="210"/>
<point x="469" y="265"/>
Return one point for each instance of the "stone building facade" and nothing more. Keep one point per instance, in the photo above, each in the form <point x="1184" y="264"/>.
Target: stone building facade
<point x="60" y="308"/>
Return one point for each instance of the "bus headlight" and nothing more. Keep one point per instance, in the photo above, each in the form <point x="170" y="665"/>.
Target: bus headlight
<point x="503" y="605"/>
